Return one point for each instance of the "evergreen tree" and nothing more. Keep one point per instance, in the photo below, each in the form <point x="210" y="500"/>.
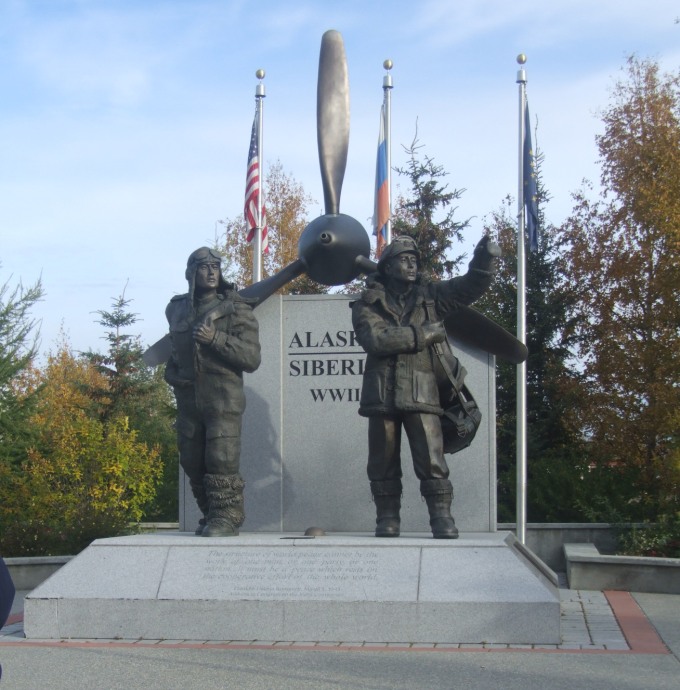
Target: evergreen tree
<point x="127" y="379"/>
<point x="18" y="347"/>
<point x="555" y="451"/>
<point x="426" y="213"/>
<point x="129" y="389"/>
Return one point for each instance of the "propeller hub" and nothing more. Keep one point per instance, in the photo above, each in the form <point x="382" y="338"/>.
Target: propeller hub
<point x="329" y="246"/>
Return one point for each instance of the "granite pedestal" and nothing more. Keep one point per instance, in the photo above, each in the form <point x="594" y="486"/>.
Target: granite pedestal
<point x="481" y="588"/>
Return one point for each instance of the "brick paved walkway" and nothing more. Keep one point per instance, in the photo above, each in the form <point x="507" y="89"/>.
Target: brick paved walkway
<point x="597" y="622"/>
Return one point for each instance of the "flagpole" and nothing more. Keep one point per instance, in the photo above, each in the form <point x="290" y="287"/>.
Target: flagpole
<point x="521" y="511"/>
<point x="257" y="244"/>
<point x="387" y="100"/>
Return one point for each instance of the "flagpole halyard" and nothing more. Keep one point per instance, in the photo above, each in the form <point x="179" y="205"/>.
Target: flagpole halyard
<point x="387" y="91"/>
<point x="521" y="436"/>
<point x="257" y="243"/>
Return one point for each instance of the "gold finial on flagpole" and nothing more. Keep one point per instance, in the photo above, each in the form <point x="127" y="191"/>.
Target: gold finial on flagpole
<point x="521" y="59"/>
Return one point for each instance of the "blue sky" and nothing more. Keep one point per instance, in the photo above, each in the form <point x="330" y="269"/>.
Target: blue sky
<point x="124" y="124"/>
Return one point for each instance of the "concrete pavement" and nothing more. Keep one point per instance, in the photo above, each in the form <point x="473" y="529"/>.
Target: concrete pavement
<point x="611" y="640"/>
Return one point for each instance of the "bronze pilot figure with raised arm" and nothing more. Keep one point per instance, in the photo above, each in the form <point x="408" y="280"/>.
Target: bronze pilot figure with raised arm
<point x="398" y="322"/>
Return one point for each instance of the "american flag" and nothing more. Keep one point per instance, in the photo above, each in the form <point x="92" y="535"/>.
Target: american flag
<point x="252" y="203"/>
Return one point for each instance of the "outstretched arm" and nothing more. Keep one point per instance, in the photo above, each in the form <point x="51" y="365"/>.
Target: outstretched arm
<point x="471" y="286"/>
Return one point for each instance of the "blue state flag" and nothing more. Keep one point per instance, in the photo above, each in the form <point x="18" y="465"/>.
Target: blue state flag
<point x="530" y="187"/>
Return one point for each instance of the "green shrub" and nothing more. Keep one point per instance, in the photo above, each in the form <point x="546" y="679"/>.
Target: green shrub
<point x="661" y="539"/>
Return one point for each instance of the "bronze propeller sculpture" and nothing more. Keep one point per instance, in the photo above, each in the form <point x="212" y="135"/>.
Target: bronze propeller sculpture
<point x="334" y="247"/>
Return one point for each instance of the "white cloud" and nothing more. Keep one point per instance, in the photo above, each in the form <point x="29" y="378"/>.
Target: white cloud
<point x="537" y="22"/>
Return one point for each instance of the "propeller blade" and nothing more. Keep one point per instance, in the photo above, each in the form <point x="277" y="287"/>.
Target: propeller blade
<point x="159" y="352"/>
<point x="332" y="118"/>
<point x="473" y="328"/>
<point x="365" y="265"/>
<point x="267" y="287"/>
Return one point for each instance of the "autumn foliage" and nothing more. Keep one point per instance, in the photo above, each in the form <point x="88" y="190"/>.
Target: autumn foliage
<point x="82" y="478"/>
<point x="287" y="208"/>
<point x="624" y="257"/>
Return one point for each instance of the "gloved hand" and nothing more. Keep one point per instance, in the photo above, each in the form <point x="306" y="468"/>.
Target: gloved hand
<point x="204" y="333"/>
<point x="433" y="332"/>
<point x="485" y="255"/>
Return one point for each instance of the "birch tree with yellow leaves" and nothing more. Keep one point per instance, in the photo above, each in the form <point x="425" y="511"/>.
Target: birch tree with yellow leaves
<point x="624" y="256"/>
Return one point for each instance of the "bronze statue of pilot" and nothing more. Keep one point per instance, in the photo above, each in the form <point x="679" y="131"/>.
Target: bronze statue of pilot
<point x="214" y="337"/>
<point x="398" y="321"/>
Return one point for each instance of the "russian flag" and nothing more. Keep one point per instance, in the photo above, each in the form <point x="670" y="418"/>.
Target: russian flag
<point x="381" y="211"/>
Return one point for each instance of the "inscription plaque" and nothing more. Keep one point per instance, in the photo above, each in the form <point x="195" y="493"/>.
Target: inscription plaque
<point x="292" y="573"/>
